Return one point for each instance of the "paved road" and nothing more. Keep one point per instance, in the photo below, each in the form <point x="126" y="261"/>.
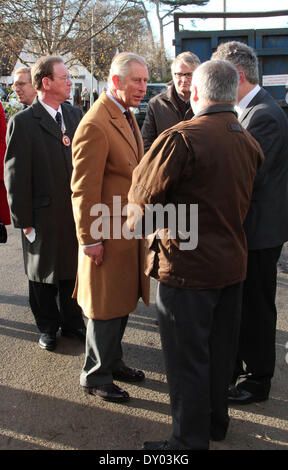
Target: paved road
<point x="43" y="407"/>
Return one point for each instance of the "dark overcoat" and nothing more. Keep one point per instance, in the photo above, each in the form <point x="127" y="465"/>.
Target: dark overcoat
<point x="38" y="168"/>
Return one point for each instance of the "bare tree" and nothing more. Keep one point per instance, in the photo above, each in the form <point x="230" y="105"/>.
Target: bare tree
<point x="164" y="10"/>
<point x="65" y="27"/>
<point x="54" y="26"/>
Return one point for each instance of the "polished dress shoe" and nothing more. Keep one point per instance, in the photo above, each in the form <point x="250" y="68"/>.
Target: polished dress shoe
<point x="108" y="392"/>
<point x="240" y="396"/>
<point x="80" y="333"/>
<point x="159" y="445"/>
<point x="126" y="374"/>
<point x="156" y="445"/>
<point x="47" y="341"/>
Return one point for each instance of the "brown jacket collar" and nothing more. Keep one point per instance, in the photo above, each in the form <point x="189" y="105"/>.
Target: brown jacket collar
<point x="217" y="108"/>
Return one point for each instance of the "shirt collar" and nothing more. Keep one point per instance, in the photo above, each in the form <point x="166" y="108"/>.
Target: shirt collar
<point x="242" y="105"/>
<point x="53" y="113"/>
<point x="109" y="94"/>
<point x="50" y="110"/>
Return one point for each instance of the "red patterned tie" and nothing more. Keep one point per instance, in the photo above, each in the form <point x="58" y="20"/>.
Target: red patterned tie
<point x="130" y="121"/>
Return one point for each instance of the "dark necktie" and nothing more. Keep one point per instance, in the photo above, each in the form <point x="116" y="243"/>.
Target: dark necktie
<point x="130" y="121"/>
<point x="58" y="118"/>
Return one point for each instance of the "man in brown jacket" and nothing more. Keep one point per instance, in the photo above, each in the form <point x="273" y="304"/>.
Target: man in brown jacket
<point x="110" y="274"/>
<point x="210" y="162"/>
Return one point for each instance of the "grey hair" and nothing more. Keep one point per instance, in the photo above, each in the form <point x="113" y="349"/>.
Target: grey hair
<point x="187" y="58"/>
<point x="217" y="81"/>
<point x="121" y="65"/>
<point x="241" y="56"/>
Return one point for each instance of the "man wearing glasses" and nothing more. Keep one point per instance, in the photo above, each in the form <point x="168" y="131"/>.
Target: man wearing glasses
<point x="23" y="87"/>
<point x="169" y="108"/>
<point x="38" y="168"/>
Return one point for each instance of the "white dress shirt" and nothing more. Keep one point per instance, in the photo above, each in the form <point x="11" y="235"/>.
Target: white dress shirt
<point x="242" y="105"/>
<point x="53" y="113"/>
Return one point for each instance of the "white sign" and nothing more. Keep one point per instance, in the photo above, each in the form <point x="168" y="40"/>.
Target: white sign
<point x="274" y="80"/>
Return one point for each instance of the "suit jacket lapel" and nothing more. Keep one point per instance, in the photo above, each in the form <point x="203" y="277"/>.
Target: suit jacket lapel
<point x="256" y="100"/>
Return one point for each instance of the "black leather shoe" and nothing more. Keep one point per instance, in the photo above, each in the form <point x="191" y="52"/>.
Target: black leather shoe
<point x="80" y="333"/>
<point x="108" y="392"/>
<point x="47" y="341"/>
<point x="157" y="445"/>
<point x="239" y="396"/>
<point x="126" y="374"/>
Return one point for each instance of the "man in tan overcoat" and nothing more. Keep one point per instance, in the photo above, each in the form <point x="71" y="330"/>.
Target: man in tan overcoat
<point x="106" y="149"/>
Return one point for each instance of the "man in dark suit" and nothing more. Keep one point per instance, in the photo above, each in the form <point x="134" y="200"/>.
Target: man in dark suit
<point x="38" y="168"/>
<point x="266" y="228"/>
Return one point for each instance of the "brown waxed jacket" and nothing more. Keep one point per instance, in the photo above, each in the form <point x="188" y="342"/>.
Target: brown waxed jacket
<point x="210" y="162"/>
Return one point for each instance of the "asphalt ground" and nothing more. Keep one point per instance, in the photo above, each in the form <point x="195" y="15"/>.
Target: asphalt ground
<point x="42" y="406"/>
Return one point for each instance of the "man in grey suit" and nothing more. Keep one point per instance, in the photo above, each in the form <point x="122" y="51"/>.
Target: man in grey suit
<point x="266" y="228"/>
<point x="38" y="168"/>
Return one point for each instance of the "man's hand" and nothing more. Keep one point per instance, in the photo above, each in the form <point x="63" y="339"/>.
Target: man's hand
<point x="95" y="253"/>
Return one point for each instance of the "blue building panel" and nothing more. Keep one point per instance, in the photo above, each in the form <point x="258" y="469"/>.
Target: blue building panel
<point x="271" y="47"/>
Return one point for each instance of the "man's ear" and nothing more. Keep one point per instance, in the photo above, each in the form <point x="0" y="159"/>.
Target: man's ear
<point x="46" y="83"/>
<point x="194" y="93"/>
<point x="116" y="82"/>
<point x="242" y="77"/>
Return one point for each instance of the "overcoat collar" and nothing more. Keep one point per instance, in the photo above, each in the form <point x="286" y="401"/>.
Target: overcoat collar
<point x="48" y="123"/>
<point x="120" y="123"/>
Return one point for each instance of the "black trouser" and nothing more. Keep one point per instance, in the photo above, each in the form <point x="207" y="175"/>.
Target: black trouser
<point x="52" y="306"/>
<point x="199" y="333"/>
<point x="259" y="318"/>
<point x="103" y="351"/>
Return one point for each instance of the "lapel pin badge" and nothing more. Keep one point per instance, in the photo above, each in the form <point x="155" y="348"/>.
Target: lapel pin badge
<point x="66" y="141"/>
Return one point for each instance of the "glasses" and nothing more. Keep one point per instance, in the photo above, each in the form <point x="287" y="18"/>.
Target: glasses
<point x="180" y="74"/>
<point x="19" y="85"/>
<point x="65" y="78"/>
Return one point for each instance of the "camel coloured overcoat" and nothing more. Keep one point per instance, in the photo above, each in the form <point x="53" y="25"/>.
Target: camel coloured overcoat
<point x="105" y="153"/>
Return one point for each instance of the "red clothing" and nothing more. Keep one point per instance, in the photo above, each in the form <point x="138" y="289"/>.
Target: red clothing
<point x="4" y="208"/>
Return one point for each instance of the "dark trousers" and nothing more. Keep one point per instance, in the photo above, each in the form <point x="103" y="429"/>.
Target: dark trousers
<point x="103" y="354"/>
<point x="199" y="332"/>
<point x="259" y="318"/>
<point x="53" y="307"/>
